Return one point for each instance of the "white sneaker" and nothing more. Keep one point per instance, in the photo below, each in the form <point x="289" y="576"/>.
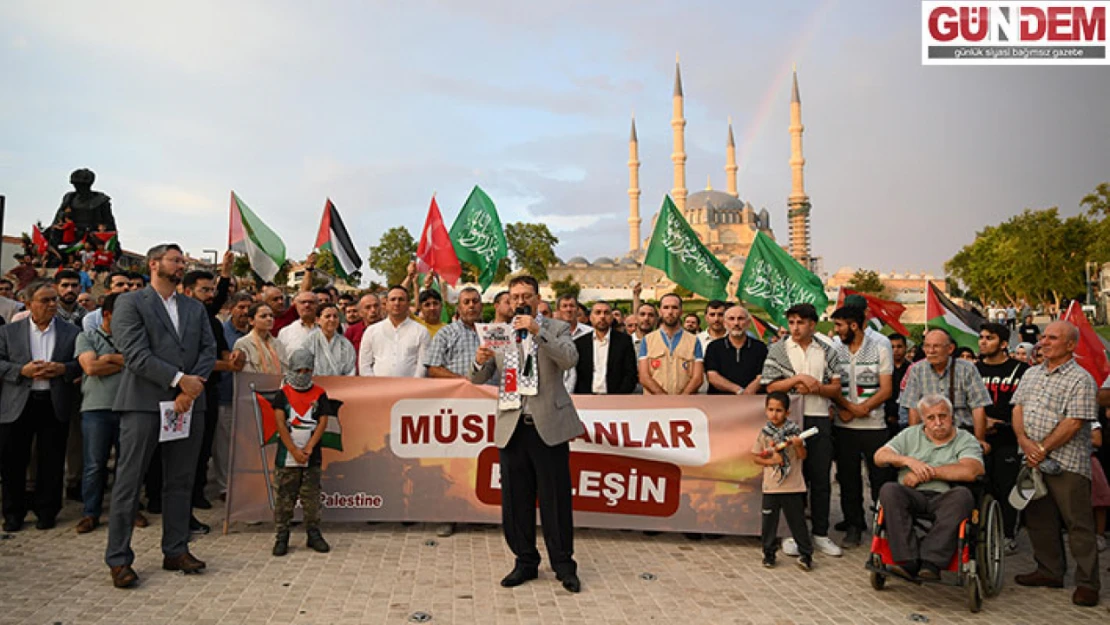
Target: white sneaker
<point x="825" y="545"/>
<point x="790" y="548"/>
<point x="1101" y="542"/>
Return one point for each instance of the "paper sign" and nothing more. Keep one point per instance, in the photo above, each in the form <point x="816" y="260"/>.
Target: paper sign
<point x="175" y="425"/>
<point x="496" y="336"/>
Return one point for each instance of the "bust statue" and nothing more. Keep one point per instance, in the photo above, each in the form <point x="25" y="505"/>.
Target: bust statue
<point x="90" y="208"/>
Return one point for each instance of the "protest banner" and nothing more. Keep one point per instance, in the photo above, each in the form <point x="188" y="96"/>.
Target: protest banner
<point x="422" y="450"/>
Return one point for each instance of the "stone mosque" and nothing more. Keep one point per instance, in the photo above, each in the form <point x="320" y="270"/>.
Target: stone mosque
<point x="725" y="223"/>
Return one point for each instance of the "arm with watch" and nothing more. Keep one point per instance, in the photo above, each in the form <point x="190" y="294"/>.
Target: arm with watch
<point x="1036" y="451"/>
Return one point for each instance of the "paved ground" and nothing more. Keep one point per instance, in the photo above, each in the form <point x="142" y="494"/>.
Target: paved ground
<point x="385" y="573"/>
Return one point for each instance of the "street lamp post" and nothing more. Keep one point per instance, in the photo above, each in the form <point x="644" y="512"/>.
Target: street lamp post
<point x="215" y="256"/>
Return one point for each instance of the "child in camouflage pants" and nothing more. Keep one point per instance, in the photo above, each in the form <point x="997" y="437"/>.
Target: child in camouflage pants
<point x="301" y="412"/>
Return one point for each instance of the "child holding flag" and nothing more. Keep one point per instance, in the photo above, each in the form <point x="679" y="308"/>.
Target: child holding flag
<point x="301" y="411"/>
<point x="784" y="488"/>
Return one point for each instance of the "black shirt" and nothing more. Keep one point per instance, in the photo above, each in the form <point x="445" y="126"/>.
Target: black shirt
<point x="739" y="366"/>
<point x="890" y="406"/>
<point x="1001" y="382"/>
<point x="1029" y="333"/>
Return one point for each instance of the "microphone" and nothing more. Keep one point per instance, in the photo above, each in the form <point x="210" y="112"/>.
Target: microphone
<point x="523" y="332"/>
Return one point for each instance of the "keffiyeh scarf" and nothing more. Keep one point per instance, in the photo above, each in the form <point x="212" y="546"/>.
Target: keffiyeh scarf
<point x="779" y="436"/>
<point x="519" y="378"/>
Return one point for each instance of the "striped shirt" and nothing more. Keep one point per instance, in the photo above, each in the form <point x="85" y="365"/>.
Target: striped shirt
<point x="785" y="359"/>
<point x="969" y="392"/>
<point x="453" y="348"/>
<point x="859" y="380"/>
<point x="1048" y="397"/>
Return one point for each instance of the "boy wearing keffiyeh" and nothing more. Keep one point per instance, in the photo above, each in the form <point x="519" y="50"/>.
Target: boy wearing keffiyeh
<point x="779" y="449"/>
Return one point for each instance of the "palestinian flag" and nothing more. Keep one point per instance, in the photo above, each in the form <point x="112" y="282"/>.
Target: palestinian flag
<point x="109" y="239"/>
<point x="765" y="329"/>
<point x="301" y="404"/>
<point x="333" y="237"/>
<point x="74" y="247"/>
<point x="941" y="312"/>
<point x="247" y="234"/>
<point x="39" y="241"/>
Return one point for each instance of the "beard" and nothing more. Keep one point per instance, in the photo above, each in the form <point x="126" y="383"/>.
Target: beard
<point x="169" y="276"/>
<point x="848" y="338"/>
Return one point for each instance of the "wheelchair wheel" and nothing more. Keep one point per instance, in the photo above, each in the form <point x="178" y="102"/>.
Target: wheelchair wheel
<point x="990" y="556"/>
<point x="878" y="580"/>
<point x="974" y="594"/>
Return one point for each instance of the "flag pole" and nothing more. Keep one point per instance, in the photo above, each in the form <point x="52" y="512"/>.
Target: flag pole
<point x="262" y="447"/>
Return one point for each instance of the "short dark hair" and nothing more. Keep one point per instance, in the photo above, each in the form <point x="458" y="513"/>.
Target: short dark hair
<point x="804" y="310"/>
<point x="192" y="277"/>
<point x="28" y="292"/>
<point x="323" y="307"/>
<point x="322" y="290"/>
<point x="716" y="303"/>
<point x="158" y="251"/>
<point x="116" y="272"/>
<point x="241" y="296"/>
<point x="526" y="279"/>
<point x="849" y="314"/>
<point x="64" y="274"/>
<point x="428" y="294"/>
<point x="960" y="351"/>
<point x="674" y="295"/>
<point x="7" y="282"/>
<point x="691" y="314"/>
<point x="255" y="307"/>
<point x="109" y="303"/>
<point x="470" y="289"/>
<point x="497" y="298"/>
<point x="394" y="288"/>
<point x="566" y="296"/>
<point x="997" y="329"/>
<point x="780" y="397"/>
<point x="898" y="337"/>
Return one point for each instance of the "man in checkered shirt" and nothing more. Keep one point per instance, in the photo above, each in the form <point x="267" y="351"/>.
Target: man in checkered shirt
<point x="1054" y="406"/>
<point x="954" y="378"/>
<point x="452" y="351"/>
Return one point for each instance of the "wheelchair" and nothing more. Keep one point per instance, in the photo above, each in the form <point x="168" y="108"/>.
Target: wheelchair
<point x="977" y="564"/>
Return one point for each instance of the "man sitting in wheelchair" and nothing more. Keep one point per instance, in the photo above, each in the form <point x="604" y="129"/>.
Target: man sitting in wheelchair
<point x="932" y="458"/>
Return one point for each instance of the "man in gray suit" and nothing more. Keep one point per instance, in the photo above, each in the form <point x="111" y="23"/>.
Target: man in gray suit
<point x="38" y="371"/>
<point x="532" y="432"/>
<point x="168" y="351"/>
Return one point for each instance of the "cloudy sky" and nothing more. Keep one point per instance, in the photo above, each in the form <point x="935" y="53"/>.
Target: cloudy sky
<point x="378" y="105"/>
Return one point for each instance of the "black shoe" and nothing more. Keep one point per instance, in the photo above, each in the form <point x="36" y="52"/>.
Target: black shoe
<point x="12" y="523"/>
<point x="73" y="493"/>
<point x="154" y="506"/>
<point x="907" y="571"/>
<point x="805" y="563"/>
<point x="316" y="541"/>
<point x="518" y="576"/>
<point x="693" y="535"/>
<point x="45" y="523"/>
<point x="769" y="561"/>
<point x="570" y="582"/>
<point x="929" y="571"/>
<point x="281" y="544"/>
<point x="200" y="503"/>
<point x="852" y="537"/>
<point x="196" y="527"/>
<point x="841" y="526"/>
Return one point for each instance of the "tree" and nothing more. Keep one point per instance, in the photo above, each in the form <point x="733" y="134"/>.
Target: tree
<point x="866" y="281"/>
<point x="392" y="255"/>
<point x="326" y="263"/>
<point x="1098" y="209"/>
<point x="566" y="286"/>
<point x="533" y="248"/>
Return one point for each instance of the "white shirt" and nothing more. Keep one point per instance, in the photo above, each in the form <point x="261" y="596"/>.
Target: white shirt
<point x="601" y="362"/>
<point x="171" y="309"/>
<point x="394" y="351"/>
<point x="810" y="361"/>
<point x="42" y="348"/>
<point x="294" y="335"/>
<point x="579" y="329"/>
<point x="93" y="320"/>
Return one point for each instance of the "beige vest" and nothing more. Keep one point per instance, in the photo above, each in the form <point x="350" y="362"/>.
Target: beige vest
<point x="671" y="370"/>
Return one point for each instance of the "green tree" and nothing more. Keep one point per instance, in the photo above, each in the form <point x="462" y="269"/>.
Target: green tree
<point x="325" y="263"/>
<point x="532" y="247"/>
<point x="866" y="281"/>
<point x="392" y="255"/>
<point x="1097" y="204"/>
<point x="566" y="286"/>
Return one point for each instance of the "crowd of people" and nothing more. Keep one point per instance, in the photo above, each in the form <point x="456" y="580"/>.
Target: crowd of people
<point x="916" y="420"/>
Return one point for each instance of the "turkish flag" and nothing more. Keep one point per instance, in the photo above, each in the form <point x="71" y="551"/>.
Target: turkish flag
<point x="39" y="241"/>
<point x="1089" y="352"/>
<point x="435" y="252"/>
<point x="886" y="311"/>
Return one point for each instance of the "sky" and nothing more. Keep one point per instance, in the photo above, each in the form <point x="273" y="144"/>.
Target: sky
<point x="379" y="105"/>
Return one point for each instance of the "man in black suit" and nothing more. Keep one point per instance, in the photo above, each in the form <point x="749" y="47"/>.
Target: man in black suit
<point x="38" y="370"/>
<point x="606" y="360"/>
<point x="168" y="350"/>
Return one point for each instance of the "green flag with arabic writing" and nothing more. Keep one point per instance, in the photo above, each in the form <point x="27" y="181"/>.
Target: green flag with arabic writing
<point x="775" y="281"/>
<point x="478" y="237"/>
<point x="676" y="251"/>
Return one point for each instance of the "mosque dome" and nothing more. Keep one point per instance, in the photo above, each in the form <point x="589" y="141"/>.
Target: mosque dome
<point x="711" y="199"/>
<point x="603" y="260"/>
<point x="578" y="260"/>
<point x="736" y="262"/>
<point x="629" y="261"/>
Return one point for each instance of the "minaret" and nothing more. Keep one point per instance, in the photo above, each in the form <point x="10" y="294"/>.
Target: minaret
<point x="730" y="163"/>
<point x="798" y="202"/>
<point x="633" y="191"/>
<point x="678" y="124"/>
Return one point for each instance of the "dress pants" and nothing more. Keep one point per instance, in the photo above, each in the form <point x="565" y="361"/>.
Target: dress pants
<point x="138" y="438"/>
<point x="817" y="469"/>
<point x="221" y="447"/>
<point x="901" y="504"/>
<point x="1003" y="464"/>
<point x="1069" y="500"/>
<point x="530" y="468"/>
<point x="38" y="423"/>
<point x="851" y="446"/>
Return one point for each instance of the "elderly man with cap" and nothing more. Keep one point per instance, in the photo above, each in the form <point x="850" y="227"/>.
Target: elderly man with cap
<point x="1054" y="407"/>
<point x="929" y="457"/>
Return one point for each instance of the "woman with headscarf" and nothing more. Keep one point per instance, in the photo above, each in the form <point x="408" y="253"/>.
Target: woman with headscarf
<point x="264" y="354"/>
<point x="333" y="353"/>
<point x="1024" y="352"/>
